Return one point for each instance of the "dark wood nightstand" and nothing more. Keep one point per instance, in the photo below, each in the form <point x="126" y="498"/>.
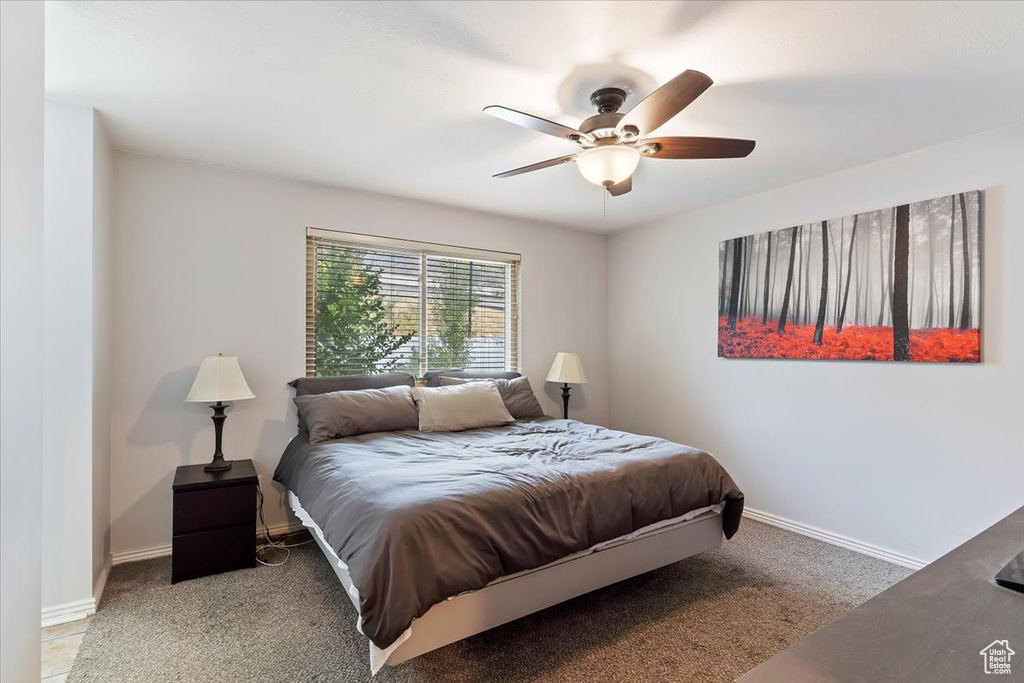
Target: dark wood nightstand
<point x="214" y="520"/>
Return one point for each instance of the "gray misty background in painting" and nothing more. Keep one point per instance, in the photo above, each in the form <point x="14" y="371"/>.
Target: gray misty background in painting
<point x="923" y="256"/>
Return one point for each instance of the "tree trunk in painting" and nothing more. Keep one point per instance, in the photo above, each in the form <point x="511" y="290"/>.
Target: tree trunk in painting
<point x="857" y="317"/>
<point x="767" y="272"/>
<point x="807" y="278"/>
<point x="741" y="266"/>
<point x="721" y="285"/>
<point x="952" y="231"/>
<point x="744" y="258"/>
<point x="912" y="274"/>
<point x="757" y="274"/>
<point x="839" y="267"/>
<point x="929" y="314"/>
<point x="865" y="314"/>
<point x="881" y="271"/>
<point x="734" y="292"/>
<point x="819" y="329"/>
<point x="892" y="246"/>
<point x="965" y="306"/>
<point x="799" y="271"/>
<point x="849" y="272"/>
<point x="900" y="321"/>
<point x="752" y="279"/>
<point x="748" y="275"/>
<point x="789" y="280"/>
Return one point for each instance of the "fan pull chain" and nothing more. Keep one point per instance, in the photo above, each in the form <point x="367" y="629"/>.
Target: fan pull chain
<point x="604" y="202"/>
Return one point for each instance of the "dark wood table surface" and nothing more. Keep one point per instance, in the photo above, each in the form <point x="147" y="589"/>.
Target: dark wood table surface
<point x="931" y="627"/>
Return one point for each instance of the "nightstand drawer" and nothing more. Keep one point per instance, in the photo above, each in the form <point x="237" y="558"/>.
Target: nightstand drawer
<point x="210" y="552"/>
<point x="215" y="508"/>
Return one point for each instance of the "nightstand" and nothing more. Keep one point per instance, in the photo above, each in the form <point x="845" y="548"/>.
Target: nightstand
<point x="214" y="520"/>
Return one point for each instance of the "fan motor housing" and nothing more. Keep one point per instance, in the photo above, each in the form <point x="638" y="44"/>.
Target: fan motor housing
<point x="608" y="101"/>
<point x="601" y="125"/>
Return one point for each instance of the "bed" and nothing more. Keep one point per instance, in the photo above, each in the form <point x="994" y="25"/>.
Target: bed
<point x="439" y="536"/>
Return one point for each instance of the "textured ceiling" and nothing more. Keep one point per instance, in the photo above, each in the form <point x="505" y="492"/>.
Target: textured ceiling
<point x="387" y="96"/>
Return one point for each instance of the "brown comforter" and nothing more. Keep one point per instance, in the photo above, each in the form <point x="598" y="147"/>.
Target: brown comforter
<point x="419" y="517"/>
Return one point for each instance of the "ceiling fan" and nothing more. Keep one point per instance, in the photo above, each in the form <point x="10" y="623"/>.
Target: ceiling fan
<point x="612" y="142"/>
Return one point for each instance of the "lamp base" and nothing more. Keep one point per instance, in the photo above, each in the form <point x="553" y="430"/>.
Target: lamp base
<point x="218" y="464"/>
<point x="565" y="401"/>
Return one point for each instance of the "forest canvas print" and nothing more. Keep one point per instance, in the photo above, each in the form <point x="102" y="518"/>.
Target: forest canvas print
<point x="898" y="284"/>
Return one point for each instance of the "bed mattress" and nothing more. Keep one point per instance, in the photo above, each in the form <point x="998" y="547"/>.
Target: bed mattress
<point x="379" y="657"/>
<point x="417" y="518"/>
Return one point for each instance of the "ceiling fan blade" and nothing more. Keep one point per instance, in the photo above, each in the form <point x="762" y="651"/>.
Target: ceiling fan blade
<point x="698" y="148"/>
<point x="665" y="102"/>
<point x="621" y="188"/>
<point x="537" y="166"/>
<point x="536" y="123"/>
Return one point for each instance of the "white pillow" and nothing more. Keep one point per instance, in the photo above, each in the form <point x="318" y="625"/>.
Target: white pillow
<point x="464" y="406"/>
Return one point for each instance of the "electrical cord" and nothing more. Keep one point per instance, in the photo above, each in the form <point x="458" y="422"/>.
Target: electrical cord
<point x="271" y="543"/>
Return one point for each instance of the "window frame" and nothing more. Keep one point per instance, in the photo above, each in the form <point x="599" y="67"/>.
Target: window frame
<point x="513" y="318"/>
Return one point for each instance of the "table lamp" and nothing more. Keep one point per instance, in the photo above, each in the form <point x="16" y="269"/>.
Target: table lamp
<point x="219" y="379"/>
<point x="566" y="369"/>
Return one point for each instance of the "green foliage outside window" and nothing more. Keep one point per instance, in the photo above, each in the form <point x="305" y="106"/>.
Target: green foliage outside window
<point x="452" y="302"/>
<point x="356" y="332"/>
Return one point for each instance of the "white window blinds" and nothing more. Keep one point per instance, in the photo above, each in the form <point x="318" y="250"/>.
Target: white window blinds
<point x="381" y="305"/>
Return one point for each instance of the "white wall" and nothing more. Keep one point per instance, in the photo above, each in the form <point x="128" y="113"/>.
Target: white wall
<point x="76" y="344"/>
<point x="914" y="458"/>
<point x="210" y="260"/>
<point x="102" y="369"/>
<point x="68" y="350"/>
<point x="21" y="329"/>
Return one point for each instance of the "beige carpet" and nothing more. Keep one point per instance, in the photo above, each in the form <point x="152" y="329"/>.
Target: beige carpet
<point x="707" y="618"/>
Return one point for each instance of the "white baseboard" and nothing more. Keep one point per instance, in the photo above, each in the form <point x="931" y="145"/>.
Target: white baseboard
<point x="140" y="554"/>
<point x="69" y="611"/>
<point x="101" y="581"/>
<point x="835" y="539"/>
<point x="79" y="609"/>
<point x="165" y="549"/>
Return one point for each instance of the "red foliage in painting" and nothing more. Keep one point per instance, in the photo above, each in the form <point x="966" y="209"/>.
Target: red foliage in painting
<point x="754" y="340"/>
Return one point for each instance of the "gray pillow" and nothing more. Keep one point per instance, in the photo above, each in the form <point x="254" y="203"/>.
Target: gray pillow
<point x="433" y="378"/>
<point x="324" y="385"/>
<point x="517" y="394"/>
<point x="361" y="411"/>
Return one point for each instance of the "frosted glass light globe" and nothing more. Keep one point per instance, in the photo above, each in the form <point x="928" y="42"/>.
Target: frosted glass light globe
<point x="608" y="165"/>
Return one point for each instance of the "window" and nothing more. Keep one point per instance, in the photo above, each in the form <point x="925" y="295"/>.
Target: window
<point x="376" y="304"/>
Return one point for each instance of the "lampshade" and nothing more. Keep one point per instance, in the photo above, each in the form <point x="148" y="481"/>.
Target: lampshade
<point x="567" y="369"/>
<point x="609" y="164"/>
<point x="219" y="379"/>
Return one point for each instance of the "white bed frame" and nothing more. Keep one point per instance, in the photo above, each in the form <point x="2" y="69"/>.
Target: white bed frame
<point x="508" y="599"/>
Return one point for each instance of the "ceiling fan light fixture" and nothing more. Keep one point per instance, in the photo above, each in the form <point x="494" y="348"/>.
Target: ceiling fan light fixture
<point x="613" y="143"/>
<point x="608" y="164"/>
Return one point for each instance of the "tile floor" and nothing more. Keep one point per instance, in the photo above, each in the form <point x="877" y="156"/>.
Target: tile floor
<point x="60" y="647"/>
